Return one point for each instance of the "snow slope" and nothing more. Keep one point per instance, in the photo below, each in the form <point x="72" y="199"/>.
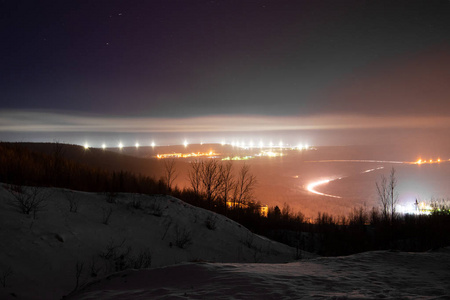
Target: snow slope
<point x="43" y="253"/>
<point x="371" y="275"/>
<point x="215" y="263"/>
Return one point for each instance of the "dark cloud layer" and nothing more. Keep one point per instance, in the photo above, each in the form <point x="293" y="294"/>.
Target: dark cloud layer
<point x="198" y="59"/>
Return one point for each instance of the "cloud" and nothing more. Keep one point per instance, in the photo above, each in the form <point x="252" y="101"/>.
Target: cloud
<point x="41" y="121"/>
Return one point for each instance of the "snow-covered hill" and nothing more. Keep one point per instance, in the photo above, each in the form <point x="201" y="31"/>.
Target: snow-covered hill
<point x="103" y="251"/>
<point x="43" y="257"/>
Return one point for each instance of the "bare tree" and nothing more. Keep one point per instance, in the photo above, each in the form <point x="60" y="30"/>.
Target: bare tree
<point x="215" y="181"/>
<point x="195" y="175"/>
<point x="170" y="172"/>
<point x="383" y="196"/>
<point x="245" y="184"/>
<point x="393" y="195"/>
<point x="211" y="179"/>
<point x="388" y="195"/>
<point x="228" y="181"/>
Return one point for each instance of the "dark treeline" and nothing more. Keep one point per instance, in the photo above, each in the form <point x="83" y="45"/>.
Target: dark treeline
<point x="361" y="230"/>
<point x="20" y="165"/>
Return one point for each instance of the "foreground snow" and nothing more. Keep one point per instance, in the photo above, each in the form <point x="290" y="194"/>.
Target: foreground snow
<point x="371" y="275"/>
<point x="43" y="253"/>
<point x="217" y="259"/>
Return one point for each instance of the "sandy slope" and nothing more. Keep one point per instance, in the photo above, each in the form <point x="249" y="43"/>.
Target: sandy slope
<point x="371" y="275"/>
<point x="43" y="252"/>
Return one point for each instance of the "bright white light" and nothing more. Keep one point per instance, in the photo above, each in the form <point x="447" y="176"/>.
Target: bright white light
<point x="251" y="144"/>
<point x="233" y="143"/>
<point x="280" y="144"/>
<point x="299" y="146"/>
<point x="223" y="143"/>
<point x="137" y="145"/>
<point x="120" y="145"/>
<point x="153" y="144"/>
<point x="86" y="146"/>
<point x="261" y="144"/>
<point x="306" y="146"/>
<point x="311" y="187"/>
<point x="185" y="143"/>
<point x="271" y="144"/>
<point x="237" y="144"/>
<point x="103" y="146"/>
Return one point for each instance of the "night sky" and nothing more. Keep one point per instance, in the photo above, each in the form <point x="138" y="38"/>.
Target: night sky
<point x="79" y="70"/>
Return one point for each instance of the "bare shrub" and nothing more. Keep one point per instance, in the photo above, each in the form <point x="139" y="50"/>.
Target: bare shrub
<point x="135" y="204"/>
<point x="111" y="197"/>
<point x="154" y="209"/>
<point x="183" y="237"/>
<point x="78" y="271"/>
<point x="249" y="242"/>
<point x="8" y="272"/>
<point x="211" y="222"/>
<point x="94" y="268"/>
<point x="28" y="200"/>
<point x="115" y="256"/>
<point x="167" y="223"/>
<point x="142" y="260"/>
<point x="106" y="213"/>
<point x="73" y="202"/>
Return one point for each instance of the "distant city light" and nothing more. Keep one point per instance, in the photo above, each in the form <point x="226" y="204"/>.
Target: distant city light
<point x="137" y="145"/>
<point x="103" y="146"/>
<point x="120" y="145"/>
<point x="86" y="146"/>
<point x="185" y="143"/>
<point x="223" y="143"/>
<point x="153" y="144"/>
